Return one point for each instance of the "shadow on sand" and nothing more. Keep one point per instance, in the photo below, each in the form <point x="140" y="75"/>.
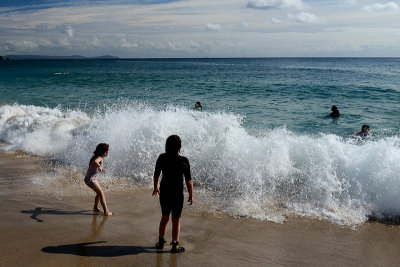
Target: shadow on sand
<point x="90" y="247"/>
<point x="84" y="249"/>
<point x="39" y="211"/>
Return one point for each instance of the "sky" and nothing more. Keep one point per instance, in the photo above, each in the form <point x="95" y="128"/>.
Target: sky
<point x="201" y="28"/>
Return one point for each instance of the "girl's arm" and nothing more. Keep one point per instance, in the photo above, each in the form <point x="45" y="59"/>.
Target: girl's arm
<point x="99" y="163"/>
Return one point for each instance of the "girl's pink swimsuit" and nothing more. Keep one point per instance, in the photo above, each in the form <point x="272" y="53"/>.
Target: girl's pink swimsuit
<point x="93" y="169"/>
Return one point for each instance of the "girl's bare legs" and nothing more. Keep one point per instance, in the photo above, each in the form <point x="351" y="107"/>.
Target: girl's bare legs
<point x="96" y="203"/>
<point x="99" y="197"/>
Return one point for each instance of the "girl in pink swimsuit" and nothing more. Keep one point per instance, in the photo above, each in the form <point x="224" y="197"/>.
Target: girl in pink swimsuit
<point x="96" y="166"/>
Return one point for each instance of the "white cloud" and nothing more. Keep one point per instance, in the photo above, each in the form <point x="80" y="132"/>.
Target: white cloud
<point x="62" y="42"/>
<point x="70" y="32"/>
<point x="228" y="43"/>
<point x="94" y="30"/>
<point x="275" y="21"/>
<point x="244" y="24"/>
<point x="305" y="17"/>
<point x="126" y="44"/>
<point x="15" y="45"/>
<point x="275" y="4"/>
<point x="377" y="7"/>
<point x="94" y="41"/>
<point x="168" y="46"/>
<point x="351" y="2"/>
<point x="213" y="27"/>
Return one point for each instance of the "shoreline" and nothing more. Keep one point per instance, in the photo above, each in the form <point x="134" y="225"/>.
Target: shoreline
<point x="40" y="229"/>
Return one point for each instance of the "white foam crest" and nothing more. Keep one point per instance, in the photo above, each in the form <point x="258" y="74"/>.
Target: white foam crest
<point x="267" y="176"/>
<point x="38" y="130"/>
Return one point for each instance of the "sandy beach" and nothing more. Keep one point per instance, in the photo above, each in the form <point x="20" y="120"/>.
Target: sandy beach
<point x="42" y="229"/>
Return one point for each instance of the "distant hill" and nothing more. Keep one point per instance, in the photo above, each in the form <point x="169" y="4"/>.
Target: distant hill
<point x="106" y="57"/>
<point x="25" y="57"/>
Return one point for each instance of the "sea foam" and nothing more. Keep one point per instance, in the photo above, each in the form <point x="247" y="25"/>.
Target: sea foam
<point x="265" y="175"/>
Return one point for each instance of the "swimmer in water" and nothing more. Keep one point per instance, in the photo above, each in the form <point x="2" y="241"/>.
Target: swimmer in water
<point x="365" y="132"/>
<point x="335" y="112"/>
<point x="198" y="106"/>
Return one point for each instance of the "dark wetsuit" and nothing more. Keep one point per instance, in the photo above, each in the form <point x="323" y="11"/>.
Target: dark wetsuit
<point x="173" y="167"/>
<point x="334" y="114"/>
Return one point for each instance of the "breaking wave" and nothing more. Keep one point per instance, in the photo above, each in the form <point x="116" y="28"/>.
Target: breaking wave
<point x="265" y="175"/>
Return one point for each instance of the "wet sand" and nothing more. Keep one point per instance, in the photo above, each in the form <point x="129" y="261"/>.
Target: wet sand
<point x="42" y="229"/>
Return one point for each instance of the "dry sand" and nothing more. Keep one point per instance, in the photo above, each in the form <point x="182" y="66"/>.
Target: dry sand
<point x="41" y="229"/>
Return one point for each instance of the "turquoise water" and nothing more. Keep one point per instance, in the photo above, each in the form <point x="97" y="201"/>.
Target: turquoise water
<point x="268" y="93"/>
<point x="262" y="147"/>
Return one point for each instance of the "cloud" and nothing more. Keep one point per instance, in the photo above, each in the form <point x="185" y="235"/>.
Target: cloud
<point x="180" y="46"/>
<point x="213" y="27"/>
<point x="70" y="32"/>
<point x="351" y="2"/>
<point x="124" y="43"/>
<point x="62" y="42"/>
<point x="275" y="4"/>
<point x="275" y="21"/>
<point x="15" y="45"/>
<point x="377" y="7"/>
<point x="94" y="41"/>
<point x="93" y="29"/>
<point x="244" y="24"/>
<point x="305" y="17"/>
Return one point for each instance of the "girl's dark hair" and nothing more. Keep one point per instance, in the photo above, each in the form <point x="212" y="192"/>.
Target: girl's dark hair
<point x="173" y="144"/>
<point x="100" y="150"/>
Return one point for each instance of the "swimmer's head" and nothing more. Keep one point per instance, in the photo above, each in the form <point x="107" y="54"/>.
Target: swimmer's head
<point x="173" y="144"/>
<point x="198" y="105"/>
<point x="334" y="108"/>
<point x="365" y="128"/>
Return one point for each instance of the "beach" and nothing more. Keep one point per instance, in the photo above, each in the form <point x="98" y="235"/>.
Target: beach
<point x="267" y="100"/>
<point x="263" y="147"/>
<point x="39" y="228"/>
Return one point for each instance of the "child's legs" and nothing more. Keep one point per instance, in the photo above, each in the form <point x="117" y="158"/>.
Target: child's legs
<point x="99" y="195"/>
<point x="176" y="228"/>
<point x="163" y="225"/>
<point x="176" y="215"/>
<point x="96" y="201"/>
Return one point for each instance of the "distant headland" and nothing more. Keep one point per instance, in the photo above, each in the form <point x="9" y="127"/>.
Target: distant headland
<point x="28" y="57"/>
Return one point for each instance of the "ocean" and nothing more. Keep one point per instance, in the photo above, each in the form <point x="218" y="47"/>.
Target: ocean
<point x="262" y="147"/>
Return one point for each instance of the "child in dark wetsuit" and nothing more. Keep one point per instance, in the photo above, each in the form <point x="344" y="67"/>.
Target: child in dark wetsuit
<point x="173" y="167"/>
<point x="335" y="112"/>
<point x="96" y="166"/>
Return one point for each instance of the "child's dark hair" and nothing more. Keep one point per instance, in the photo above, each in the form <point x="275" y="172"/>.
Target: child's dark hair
<point x="199" y="105"/>
<point x="100" y="150"/>
<point x="364" y="127"/>
<point x="173" y="144"/>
